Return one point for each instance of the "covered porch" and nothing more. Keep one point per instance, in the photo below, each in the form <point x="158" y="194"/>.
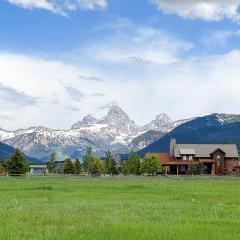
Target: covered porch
<point x="182" y="167"/>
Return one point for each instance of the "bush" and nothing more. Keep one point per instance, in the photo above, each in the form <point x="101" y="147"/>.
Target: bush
<point x="151" y="164"/>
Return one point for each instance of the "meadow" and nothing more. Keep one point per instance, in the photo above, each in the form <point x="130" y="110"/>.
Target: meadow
<point x="129" y="208"/>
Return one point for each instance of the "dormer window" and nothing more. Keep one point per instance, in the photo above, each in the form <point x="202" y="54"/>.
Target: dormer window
<point x="187" y="153"/>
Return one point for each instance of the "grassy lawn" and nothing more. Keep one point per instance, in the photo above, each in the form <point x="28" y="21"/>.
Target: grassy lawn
<point x="150" y="208"/>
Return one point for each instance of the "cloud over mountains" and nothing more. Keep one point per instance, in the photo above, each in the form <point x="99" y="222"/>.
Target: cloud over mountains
<point x="60" y="6"/>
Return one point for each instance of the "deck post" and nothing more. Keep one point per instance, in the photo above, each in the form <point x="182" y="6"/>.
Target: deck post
<point x="213" y="169"/>
<point x="177" y="170"/>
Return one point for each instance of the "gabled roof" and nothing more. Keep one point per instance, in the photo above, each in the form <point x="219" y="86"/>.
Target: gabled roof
<point x="205" y="150"/>
<point x="218" y="149"/>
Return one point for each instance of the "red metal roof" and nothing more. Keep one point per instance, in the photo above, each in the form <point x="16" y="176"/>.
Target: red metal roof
<point x="165" y="158"/>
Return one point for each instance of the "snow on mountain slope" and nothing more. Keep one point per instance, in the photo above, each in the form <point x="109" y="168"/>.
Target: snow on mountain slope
<point x="161" y="120"/>
<point x="115" y="131"/>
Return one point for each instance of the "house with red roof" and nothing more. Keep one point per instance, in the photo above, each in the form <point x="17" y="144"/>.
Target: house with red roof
<point x="219" y="159"/>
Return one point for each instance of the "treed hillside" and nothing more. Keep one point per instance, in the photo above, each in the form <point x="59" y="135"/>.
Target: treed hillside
<point x="6" y="152"/>
<point x="215" y="128"/>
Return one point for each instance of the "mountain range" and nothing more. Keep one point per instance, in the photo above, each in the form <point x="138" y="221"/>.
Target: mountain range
<point x="6" y="152"/>
<point x="114" y="132"/>
<point x="214" y="128"/>
<point x="118" y="133"/>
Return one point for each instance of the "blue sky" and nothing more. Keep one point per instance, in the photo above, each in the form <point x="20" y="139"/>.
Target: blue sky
<point x="68" y="58"/>
<point x="40" y="30"/>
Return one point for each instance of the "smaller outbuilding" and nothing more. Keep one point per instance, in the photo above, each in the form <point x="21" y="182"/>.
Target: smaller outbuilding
<point x="38" y="169"/>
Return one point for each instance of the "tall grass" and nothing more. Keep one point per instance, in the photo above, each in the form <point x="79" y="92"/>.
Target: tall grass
<point x="145" y="209"/>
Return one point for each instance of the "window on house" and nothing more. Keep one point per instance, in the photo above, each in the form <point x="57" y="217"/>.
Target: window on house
<point x="218" y="156"/>
<point x="184" y="158"/>
<point x="190" y="158"/>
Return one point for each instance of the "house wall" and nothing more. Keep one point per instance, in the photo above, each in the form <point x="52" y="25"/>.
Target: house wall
<point x="219" y="158"/>
<point x="37" y="171"/>
<point x="227" y="166"/>
<point x="230" y="167"/>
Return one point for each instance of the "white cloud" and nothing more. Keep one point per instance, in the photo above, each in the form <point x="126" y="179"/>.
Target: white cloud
<point x="10" y="97"/>
<point x="45" y="80"/>
<point x="60" y="6"/>
<point x="74" y="93"/>
<point x="219" y="37"/>
<point x="134" y="67"/>
<point x="210" y="10"/>
<point x="135" y="45"/>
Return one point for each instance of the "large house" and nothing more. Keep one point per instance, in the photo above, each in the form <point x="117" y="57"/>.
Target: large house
<point x="219" y="159"/>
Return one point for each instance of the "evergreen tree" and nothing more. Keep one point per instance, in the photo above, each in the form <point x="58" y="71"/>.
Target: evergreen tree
<point x="151" y="164"/>
<point x="111" y="164"/>
<point x="200" y="168"/>
<point x="17" y="164"/>
<point x="125" y="167"/>
<point x="87" y="159"/>
<point x="77" y="166"/>
<point x="107" y="160"/>
<point x="51" y="162"/>
<point x="191" y="168"/>
<point x="196" y="169"/>
<point x="113" y="167"/>
<point x="68" y="167"/>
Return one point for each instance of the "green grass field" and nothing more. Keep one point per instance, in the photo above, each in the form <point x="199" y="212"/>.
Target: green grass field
<point x="150" y="208"/>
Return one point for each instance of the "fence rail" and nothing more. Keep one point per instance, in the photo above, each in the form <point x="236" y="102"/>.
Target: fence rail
<point x="76" y="176"/>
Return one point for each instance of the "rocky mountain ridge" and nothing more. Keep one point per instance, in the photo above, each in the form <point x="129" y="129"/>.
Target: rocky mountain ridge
<point x="115" y="131"/>
<point x="214" y="128"/>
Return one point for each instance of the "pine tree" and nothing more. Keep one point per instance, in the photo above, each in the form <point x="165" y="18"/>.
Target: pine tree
<point x="87" y="159"/>
<point x="111" y="164"/>
<point x="113" y="167"/>
<point x="51" y="162"/>
<point x="125" y="167"/>
<point x="77" y="166"/>
<point x="107" y="161"/>
<point x="17" y="164"/>
<point x="68" y="167"/>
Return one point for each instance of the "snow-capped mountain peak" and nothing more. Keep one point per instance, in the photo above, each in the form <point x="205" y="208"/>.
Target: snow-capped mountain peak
<point x="86" y="121"/>
<point x="161" y="120"/>
<point x="115" y="131"/>
<point x="227" y="118"/>
<point x="116" y="115"/>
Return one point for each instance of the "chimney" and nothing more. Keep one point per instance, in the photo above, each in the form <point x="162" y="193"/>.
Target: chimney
<point x="173" y="143"/>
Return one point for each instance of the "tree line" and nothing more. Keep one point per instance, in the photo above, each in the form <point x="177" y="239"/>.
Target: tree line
<point x="93" y="165"/>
